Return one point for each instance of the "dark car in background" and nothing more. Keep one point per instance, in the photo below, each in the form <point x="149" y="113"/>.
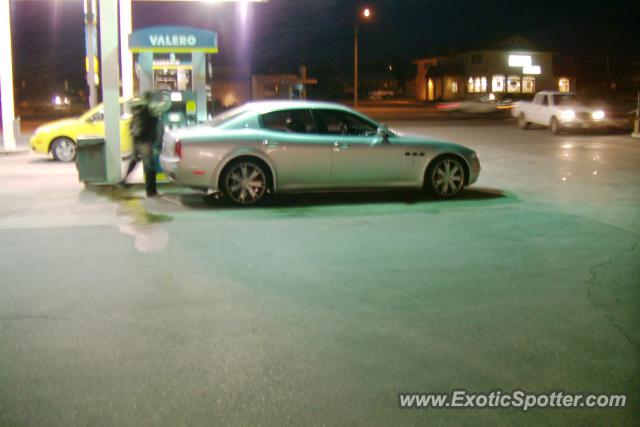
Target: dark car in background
<point x="482" y="105"/>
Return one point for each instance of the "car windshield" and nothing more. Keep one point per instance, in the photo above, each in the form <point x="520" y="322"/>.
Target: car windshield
<point x="227" y="116"/>
<point x="565" y="99"/>
<point x="97" y="114"/>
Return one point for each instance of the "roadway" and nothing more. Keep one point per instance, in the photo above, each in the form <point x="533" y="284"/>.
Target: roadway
<point x="319" y="309"/>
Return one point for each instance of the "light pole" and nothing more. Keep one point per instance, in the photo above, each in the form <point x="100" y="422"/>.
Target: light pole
<point x="363" y="15"/>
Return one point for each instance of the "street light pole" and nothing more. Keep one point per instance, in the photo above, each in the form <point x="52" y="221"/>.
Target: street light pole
<point x="355" y="63"/>
<point x="366" y="14"/>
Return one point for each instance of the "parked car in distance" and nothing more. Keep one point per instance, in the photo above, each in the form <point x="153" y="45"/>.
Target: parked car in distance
<point x="486" y="104"/>
<point x="59" y="137"/>
<point x="281" y="146"/>
<point x="559" y="112"/>
<point x="381" y="94"/>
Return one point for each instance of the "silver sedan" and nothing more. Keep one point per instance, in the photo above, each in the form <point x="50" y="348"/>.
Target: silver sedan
<point x="283" y="146"/>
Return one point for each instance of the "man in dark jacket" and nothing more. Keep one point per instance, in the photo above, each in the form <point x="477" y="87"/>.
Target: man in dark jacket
<point x="146" y="133"/>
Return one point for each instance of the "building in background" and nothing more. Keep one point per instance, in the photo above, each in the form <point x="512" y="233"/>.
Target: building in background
<point x="281" y="86"/>
<point x="511" y="68"/>
<point x="378" y="86"/>
<point x="230" y="86"/>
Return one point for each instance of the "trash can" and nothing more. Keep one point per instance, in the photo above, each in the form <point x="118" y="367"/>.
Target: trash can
<point x="91" y="159"/>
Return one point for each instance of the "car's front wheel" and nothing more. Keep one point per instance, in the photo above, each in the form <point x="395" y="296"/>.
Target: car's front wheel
<point x="244" y="182"/>
<point x="522" y="122"/>
<point x="63" y="149"/>
<point x="445" y="177"/>
<point x="555" y="127"/>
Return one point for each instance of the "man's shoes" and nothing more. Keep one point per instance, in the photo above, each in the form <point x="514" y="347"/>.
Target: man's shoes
<point x="124" y="184"/>
<point x="153" y="194"/>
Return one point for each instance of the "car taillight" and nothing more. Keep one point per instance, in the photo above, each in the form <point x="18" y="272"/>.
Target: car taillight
<point x="447" y="105"/>
<point x="177" y="149"/>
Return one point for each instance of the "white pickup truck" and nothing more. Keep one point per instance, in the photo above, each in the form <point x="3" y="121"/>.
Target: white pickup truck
<point x="559" y="111"/>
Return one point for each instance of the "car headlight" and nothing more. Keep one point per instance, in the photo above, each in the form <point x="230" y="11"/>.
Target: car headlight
<point x="568" y="115"/>
<point x="597" y="115"/>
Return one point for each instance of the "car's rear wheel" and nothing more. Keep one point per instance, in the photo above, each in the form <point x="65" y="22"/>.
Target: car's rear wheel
<point x="445" y="177"/>
<point x="63" y="149"/>
<point x="245" y="182"/>
<point x="522" y="122"/>
<point x="555" y="127"/>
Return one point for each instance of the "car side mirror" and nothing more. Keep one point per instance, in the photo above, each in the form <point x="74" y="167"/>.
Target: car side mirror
<point x="383" y="133"/>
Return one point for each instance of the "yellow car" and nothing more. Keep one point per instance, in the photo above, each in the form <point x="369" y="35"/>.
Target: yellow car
<point x="59" y="137"/>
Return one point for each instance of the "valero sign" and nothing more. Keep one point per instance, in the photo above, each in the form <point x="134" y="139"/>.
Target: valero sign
<point x="173" y="40"/>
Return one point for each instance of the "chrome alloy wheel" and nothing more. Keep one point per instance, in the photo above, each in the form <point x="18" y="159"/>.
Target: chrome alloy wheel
<point x="245" y="183"/>
<point x="64" y="150"/>
<point x="554" y="126"/>
<point x="447" y="177"/>
<point x="522" y="122"/>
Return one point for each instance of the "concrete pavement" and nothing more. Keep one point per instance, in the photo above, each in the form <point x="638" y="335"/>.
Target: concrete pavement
<point x="319" y="309"/>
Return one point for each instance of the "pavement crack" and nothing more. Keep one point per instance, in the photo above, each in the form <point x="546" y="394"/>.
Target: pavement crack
<point x="590" y="283"/>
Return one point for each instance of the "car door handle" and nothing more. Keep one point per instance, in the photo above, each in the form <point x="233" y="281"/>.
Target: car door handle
<point x="339" y="146"/>
<point x="268" y="143"/>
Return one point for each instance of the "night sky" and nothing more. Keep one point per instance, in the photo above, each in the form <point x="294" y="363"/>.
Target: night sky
<point x="48" y="36"/>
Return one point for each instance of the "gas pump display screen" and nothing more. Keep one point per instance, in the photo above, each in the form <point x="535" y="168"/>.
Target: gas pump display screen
<point x="172" y="79"/>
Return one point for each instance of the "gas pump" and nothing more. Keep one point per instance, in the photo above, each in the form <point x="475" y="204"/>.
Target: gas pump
<point x="174" y="59"/>
<point x="183" y="111"/>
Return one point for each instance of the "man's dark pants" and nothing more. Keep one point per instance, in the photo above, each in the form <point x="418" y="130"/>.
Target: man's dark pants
<point x="144" y="152"/>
